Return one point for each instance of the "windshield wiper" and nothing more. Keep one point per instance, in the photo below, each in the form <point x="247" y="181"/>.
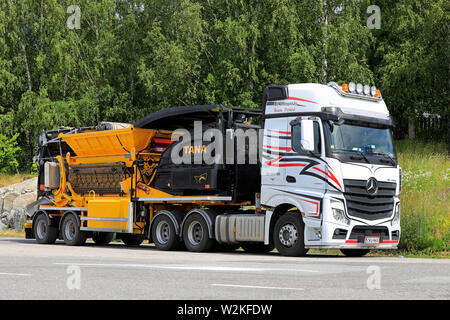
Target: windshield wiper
<point x="385" y="155"/>
<point x="357" y="151"/>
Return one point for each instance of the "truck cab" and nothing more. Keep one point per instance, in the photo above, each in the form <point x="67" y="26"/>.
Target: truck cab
<point x="328" y="154"/>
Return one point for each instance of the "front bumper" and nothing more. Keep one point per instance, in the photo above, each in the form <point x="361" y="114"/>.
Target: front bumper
<point x="353" y="236"/>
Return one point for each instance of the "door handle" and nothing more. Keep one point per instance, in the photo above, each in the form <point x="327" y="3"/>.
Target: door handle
<point x="290" y="179"/>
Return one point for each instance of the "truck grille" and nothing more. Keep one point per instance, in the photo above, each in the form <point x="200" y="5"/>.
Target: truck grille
<point x="361" y="204"/>
<point x="359" y="232"/>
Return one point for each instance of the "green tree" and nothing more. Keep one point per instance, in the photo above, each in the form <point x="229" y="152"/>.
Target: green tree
<point x="8" y="154"/>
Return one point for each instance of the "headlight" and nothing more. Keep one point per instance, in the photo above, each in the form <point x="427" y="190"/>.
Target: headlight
<point x="339" y="216"/>
<point x="396" y="219"/>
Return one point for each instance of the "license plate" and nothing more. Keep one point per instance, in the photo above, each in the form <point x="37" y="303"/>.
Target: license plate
<point x="372" y="240"/>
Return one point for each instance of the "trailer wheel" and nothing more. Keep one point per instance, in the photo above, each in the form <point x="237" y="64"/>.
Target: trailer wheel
<point x="195" y="234"/>
<point x="288" y="235"/>
<point x="102" y="237"/>
<point x="132" y="239"/>
<point x="164" y="235"/>
<point x="71" y="232"/>
<point x="43" y="231"/>
<point x="355" y="252"/>
<point x="257" y="247"/>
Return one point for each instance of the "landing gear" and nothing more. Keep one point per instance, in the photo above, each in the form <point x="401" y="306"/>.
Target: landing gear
<point x="132" y="239"/>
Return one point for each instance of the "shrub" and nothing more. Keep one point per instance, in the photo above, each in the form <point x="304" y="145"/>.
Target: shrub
<point x="8" y="154"/>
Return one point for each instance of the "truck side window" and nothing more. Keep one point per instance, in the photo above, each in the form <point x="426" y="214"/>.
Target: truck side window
<point x="296" y="137"/>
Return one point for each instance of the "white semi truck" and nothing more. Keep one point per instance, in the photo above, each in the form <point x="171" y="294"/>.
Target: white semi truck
<point x="325" y="176"/>
<point x="336" y="165"/>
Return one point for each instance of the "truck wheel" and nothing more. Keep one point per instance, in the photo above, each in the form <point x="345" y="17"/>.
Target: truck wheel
<point x="102" y="237"/>
<point x="71" y="233"/>
<point x="43" y="231"/>
<point x="355" y="252"/>
<point x="163" y="234"/>
<point x="288" y="235"/>
<point x="195" y="234"/>
<point x="132" y="239"/>
<point x="257" y="247"/>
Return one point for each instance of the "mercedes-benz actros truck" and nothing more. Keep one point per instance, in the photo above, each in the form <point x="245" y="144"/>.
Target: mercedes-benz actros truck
<point x="314" y="168"/>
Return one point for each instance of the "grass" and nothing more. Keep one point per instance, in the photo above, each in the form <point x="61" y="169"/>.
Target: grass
<point x="8" y="179"/>
<point x="12" y="233"/>
<point x="425" y="218"/>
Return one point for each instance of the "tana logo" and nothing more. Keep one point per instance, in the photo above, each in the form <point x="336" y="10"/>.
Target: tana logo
<point x="201" y="178"/>
<point x="194" y="149"/>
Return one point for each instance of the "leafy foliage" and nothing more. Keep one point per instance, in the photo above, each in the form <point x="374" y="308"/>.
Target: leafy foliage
<point x="8" y="152"/>
<point x="130" y="58"/>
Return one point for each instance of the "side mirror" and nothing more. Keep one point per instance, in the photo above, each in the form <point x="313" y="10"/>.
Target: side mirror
<point x="307" y="135"/>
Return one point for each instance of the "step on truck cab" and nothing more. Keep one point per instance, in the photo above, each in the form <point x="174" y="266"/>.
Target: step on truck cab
<point x="315" y="168"/>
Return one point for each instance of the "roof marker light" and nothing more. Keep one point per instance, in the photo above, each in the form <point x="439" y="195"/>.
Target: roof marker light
<point x="378" y="94"/>
<point x="345" y="87"/>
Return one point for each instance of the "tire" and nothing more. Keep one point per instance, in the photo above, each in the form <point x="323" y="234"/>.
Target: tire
<point x="43" y="231"/>
<point x="288" y="235"/>
<point x="355" y="252"/>
<point x="72" y="235"/>
<point x="163" y="234"/>
<point x="257" y="247"/>
<point x="103" y="237"/>
<point x="132" y="239"/>
<point x="195" y="234"/>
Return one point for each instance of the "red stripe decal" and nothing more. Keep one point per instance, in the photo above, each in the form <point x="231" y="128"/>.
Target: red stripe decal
<point x="329" y="175"/>
<point x="277" y="131"/>
<point x="298" y="99"/>
<point x="291" y="165"/>
<point x="316" y="203"/>
<point x="288" y="149"/>
<point x="385" y="241"/>
<point x="273" y="164"/>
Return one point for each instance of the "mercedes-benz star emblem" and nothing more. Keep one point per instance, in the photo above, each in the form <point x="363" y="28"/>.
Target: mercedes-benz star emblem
<point x="372" y="186"/>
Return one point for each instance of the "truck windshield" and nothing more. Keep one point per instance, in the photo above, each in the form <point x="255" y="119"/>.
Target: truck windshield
<point x="363" y="139"/>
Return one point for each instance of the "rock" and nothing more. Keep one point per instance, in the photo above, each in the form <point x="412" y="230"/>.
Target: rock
<point x="13" y="200"/>
<point x="3" y="226"/>
<point x="17" y="218"/>
<point x="23" y="200"/>
<point x="8" y="200"/>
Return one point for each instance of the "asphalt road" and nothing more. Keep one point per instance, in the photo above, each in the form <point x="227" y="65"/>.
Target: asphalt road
<point x="32" y="271"/>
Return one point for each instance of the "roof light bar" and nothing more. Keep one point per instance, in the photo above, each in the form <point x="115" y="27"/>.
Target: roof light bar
<point x="359" y="90"/>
